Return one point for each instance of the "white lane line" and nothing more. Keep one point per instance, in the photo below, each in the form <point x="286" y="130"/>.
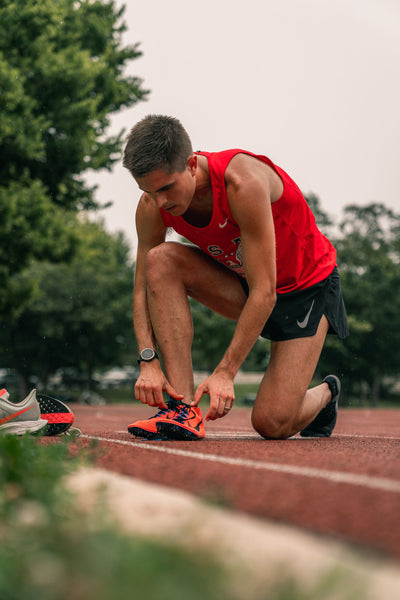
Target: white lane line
<point x="376" y="483"/>
<point x="366" y="437"/>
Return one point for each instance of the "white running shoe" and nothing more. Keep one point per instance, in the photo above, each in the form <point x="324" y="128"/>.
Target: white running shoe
<point x="20" y="418"/>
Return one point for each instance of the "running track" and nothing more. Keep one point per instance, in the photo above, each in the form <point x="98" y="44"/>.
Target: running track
<point x="346" y="487"/>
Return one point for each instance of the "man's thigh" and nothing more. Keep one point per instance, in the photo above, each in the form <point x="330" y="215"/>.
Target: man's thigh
<point x="290" y="370"/>
<point x="206" y="280"/>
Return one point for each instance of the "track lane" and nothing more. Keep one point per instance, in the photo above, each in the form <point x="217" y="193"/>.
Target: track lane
<point x="347" y="487"/>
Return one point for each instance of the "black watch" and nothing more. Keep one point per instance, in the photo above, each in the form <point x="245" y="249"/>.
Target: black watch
<point x="147" y="355"/>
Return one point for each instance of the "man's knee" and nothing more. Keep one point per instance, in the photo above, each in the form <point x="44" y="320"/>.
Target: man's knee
<point x="160" y="260"/>
<point x="272" y="424"/>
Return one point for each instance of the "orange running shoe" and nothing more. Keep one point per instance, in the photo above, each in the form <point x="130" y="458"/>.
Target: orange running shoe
<point x="148" y="427"/>
<point x="186" y="424"/>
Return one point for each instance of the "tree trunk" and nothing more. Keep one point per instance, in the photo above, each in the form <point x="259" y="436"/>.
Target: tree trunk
<point x="376" y="385"/>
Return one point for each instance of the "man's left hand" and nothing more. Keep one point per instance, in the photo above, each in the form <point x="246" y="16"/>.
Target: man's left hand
<point x="220" y="388"/>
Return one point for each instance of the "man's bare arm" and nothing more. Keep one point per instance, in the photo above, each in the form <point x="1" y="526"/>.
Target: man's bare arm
<point x="249" y="197"/>
<point x="150" y="232"/>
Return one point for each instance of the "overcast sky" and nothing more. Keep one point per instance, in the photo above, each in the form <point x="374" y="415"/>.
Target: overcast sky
<point x="313" y="84"/>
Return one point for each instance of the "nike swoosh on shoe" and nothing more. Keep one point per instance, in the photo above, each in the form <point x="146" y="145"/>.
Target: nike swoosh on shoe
<point x="9" y="418"/>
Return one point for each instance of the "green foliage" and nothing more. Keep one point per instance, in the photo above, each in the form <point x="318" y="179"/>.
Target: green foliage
<point x="80" y="315"/>
<point x="369" y="261"/>
<point x="212" y="335"/>
<point x="31" y="226"/>
<point x="61" y="70"/>
<point x="61" y="77"/>
<point x="31" y="473"/>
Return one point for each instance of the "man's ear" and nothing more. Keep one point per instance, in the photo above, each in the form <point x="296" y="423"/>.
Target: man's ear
<point x="191" y="163"/>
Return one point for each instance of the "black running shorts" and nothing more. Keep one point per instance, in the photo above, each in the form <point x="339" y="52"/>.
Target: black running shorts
<point x="297" y="314"/>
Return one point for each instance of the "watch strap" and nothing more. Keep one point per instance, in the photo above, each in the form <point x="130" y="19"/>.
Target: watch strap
<point x="152" y="355"/>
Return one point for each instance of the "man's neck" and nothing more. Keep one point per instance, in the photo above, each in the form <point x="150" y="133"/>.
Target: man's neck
<point x="200" y="210"/>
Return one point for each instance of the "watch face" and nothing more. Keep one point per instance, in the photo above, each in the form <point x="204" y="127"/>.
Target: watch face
<point x="147" y="354"/>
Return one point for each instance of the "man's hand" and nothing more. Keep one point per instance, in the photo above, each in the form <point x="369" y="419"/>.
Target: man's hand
<point x="151" y="384"/>
<point x="219" y="386"/>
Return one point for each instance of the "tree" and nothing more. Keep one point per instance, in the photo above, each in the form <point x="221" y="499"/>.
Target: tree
<point x="323" y="220"/>
<point x="369" y="259"/>
<point x="81" y="316"/>
<point x="61" y="76"/>
<point x="30" y="227"/>
<point x="213" y="334"/>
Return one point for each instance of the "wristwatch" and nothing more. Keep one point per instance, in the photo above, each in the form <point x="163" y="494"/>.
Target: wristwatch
<point x="147" y="355"/>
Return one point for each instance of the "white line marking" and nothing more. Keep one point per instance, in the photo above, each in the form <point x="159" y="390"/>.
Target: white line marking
<point x="376" y="483"/>
<point x="366" y="437"/>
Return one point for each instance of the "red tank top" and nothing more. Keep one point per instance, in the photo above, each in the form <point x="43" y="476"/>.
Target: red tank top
<point x="304" y="256"/>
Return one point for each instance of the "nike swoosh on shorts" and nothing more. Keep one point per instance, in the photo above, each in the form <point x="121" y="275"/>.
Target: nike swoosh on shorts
<point x="303" y="324"/>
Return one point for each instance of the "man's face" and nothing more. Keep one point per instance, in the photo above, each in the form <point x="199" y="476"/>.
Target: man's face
<point x="173" y="192"/>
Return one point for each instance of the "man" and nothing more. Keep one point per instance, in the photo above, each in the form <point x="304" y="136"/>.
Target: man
<point x="258" y="259"/>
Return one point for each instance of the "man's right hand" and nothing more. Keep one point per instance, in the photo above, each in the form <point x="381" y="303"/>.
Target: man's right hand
<point x="152" y="383"/>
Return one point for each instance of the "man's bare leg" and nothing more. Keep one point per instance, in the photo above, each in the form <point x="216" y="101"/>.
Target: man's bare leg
<point x="284" y="404"/>
<point x="175" y="271"/>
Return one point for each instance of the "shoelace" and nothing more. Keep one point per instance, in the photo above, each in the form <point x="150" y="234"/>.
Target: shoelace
<point x="183" y="413"/>
<point x="172" y="408"/>
<point x="161" y="413"/>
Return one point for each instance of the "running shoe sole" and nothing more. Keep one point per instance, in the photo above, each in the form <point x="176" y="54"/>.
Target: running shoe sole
<point x="59" y="416"/>
<point x="22" y="427"/>
<point x="171" y="431"/>
<point x="143" y="433"/>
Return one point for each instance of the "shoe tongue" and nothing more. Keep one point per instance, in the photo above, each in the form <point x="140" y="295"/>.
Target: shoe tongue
<point x="173" y="402"/>
<point x="4" y="394"/>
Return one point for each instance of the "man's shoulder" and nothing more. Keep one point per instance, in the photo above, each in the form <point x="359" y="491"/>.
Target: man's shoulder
<point x="246" y="164"/>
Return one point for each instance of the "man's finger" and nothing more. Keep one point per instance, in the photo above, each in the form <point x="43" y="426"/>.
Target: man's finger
<point x="201" y="390"/>
<point x="172" y="392"/>
<point x="213" y="410"/>
<point x="159" y="399"/>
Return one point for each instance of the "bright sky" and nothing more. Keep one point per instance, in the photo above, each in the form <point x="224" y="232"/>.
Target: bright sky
<point x="313" y="84"/>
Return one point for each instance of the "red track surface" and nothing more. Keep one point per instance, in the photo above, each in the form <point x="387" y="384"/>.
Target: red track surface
<point x="347" y="486"/>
